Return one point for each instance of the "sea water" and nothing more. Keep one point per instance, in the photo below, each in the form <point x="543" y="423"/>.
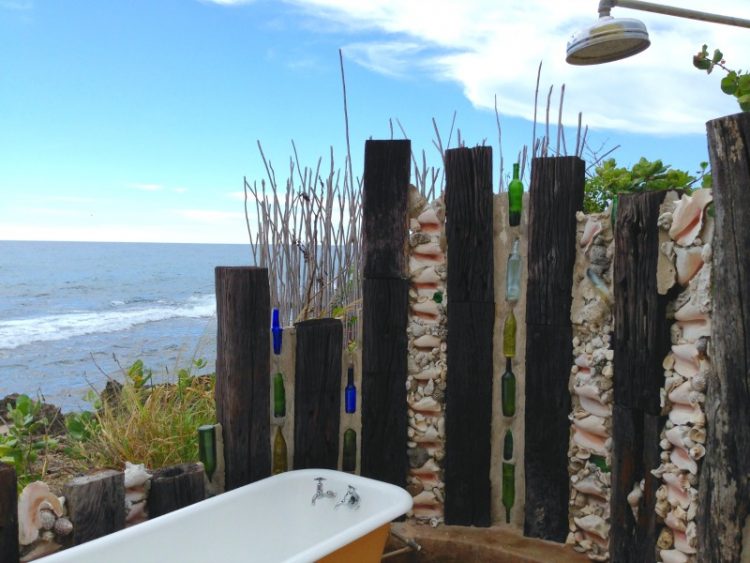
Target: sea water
<point x="73" y="314"/>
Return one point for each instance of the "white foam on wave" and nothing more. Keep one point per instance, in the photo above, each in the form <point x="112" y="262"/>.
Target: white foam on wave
<point x="15" y="333"/>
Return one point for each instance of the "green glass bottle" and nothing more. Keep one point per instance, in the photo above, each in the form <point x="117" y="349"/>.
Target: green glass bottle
<point x="279" y="453"/>
<point x="508" y="390"/>
<point x="508" y="445"/>
<point x="349" y="457"/>
<point x="515" y="198"/>
<point x="279" y="396"/>
<point x="207" y="449"/>
<point x="509" y="335"/>
<point x="509" y="488"/>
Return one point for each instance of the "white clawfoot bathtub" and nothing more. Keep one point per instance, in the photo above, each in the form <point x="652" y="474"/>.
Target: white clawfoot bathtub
<point x="270" y="521"/>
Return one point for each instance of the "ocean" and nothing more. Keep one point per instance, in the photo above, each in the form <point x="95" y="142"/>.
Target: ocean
<point x="74" y="313"/>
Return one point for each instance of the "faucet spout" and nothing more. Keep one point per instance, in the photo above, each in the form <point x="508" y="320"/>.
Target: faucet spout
<point x="319" y="492"/>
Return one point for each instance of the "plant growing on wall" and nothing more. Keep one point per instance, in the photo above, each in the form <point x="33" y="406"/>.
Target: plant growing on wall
<point x="609" y="180"/>
<point x="736" y="83"/>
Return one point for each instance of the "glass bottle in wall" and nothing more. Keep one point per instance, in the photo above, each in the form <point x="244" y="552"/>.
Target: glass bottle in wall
<point x="349" y="457"/>
<point x="509" y="335"/>
<point x="279" y="453"/>
<point x="508" y="390"/>
<point x="515" y="198"/>
<point x="350" y="393"/>
<point x="513" y="274"/>
<point x="276" y="331"/>
<point x="207" y="449"/>
<point x="279" y="396"/>
<point x="509" y="475"/>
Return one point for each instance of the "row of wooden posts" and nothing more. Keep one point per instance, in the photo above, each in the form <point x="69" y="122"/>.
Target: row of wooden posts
<point x="555" y="194"/>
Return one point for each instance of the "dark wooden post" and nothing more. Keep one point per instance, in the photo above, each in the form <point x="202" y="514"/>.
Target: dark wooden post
<point x="175" y="487"/>
<point x="8" y="514"/>
<point x="96" y="504"/>
<point x="724" y="490"/>
<point x="555" y="195"/>
<point x="243" y="314"/>
<point x="641" y="342"/>
<point x="317" y="393"/>
<point x="385" y="307"/>
<point x="471" y="316"/>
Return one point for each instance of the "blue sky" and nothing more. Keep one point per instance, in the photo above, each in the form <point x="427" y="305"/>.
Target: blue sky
<point x="137" y="120"/>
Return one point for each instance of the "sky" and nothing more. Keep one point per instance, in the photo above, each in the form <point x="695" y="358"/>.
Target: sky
<point x="137" y="120"/>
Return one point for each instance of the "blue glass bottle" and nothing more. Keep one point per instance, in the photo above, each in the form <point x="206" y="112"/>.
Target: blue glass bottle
<point x="276" y="331"/>
<point x="350" y="393"/>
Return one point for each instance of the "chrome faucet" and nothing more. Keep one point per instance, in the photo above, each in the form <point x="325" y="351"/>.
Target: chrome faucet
<point x="351" y="498"/>
<point x="319" y="492"/>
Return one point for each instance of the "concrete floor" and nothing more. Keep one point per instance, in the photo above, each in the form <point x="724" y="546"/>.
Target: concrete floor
<point x="459" y="544"/>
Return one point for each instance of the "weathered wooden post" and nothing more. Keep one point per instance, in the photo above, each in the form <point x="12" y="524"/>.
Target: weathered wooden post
<point x="8" y="514"/>
<point x="317" y="393"/>
<point x="175" y="487"/>
<point x="641" y="342"/>
<point x="555" y="195"/>
<point x="385" y="307"/>
<point x="471" y="316"/>
<point x="724" y="491"/>
<point x="243" y="314"/>
<point x="96" y="504"/>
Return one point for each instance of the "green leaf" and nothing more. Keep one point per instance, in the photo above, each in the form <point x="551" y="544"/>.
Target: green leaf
<point x="718" y="55"/>
<point x="729" y="84"/>
<point x="702" y="64"/>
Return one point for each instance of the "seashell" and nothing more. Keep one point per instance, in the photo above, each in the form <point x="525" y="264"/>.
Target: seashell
<point x="416" y="201"/>
<point x="30" y="504"/>
<point x="634" y="499"/>
<point x="593" y="424"/>
<point x="425" y="498"/>
<point x="589" y="390"/>
<point x="682" y="460"/>
<point x="673" y="556"/>
<point x="63" y="526"/>
<point x="678" y="436"/>
<point x="135" y="474"/>
<point x="693" y="330"/>
<point x="681" y="394"/>
<point x="682" y="544"/>
<point x="662" y="507"/>
<point x="429" y="467"/>
<point x="684" y="414"/>
<point x="675" y="522"/>
<point x="590" y="485"/>
<point x="688" y="263"/>
<point x="427" y="513"/>
<point x="430" y="435"/>
<point x="46" y="519"/>
<point x="687" y="218"/>
<point x="593" y="524"/>
<point x="698" y="434"/>
<point x="429" y="250"/>
<point x="697" y="451"/>
<point x="429" y="218"/>
<point x="426" y="374"/>
<point x="595" y="407"/>
<point x="691" y="311"/>
<point x="426" y="309"/>
<point x="583" y="360"/>
<point x="665" y="539"/>
<point x="591" y="442"/>
<point x="425" y="275"/>
<point x="426" y="405"/>
<point x="685" y="359"/>
<point x="592" y="228"/>
<point x="427" y="341"/>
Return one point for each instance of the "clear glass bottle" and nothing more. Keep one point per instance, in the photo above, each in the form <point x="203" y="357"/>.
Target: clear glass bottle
<point x="509" y="335"/>
<point x="508" y="390"/>
<point x="515" y="198"/>
<point x="279" y="464"/>
<point x="513" y="274"/>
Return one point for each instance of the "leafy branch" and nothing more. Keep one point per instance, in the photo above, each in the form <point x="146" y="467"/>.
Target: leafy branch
<point x="736" y="83"/>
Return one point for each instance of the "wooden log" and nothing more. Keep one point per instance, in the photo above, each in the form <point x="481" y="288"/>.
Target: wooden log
<point x="317" y="393"/>
<point x="243" y="314"/>
<point x="384" y="310"/>
<point x="641" y="339"/>
<point x="96" y="504"/>
<point x="471" y="317"/>
<point x="384" y="357"/>
<point x="468" y="230"/>
<point x="724" y="490"/>
<point x="175" y="487"/>
<point x="468" y="416"/>
<point x="635" y="454"/>
<point x="8" y="514"/>
<point x="384" y="208"/>
<point x="555" y="195"/>
<point x="547" y="434"/>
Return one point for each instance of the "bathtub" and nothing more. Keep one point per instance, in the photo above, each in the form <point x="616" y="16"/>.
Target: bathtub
<point x="270" y="521"/>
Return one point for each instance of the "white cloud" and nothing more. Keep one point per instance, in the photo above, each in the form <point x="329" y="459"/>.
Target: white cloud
<point x="492" y="47"/>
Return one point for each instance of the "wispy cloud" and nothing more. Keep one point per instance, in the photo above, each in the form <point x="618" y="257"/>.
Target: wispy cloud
<point x="491" y="47"/>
